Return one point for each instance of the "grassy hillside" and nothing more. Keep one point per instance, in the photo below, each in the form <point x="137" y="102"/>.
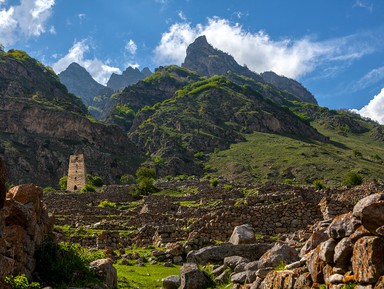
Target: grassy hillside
<point x="271" y="157"/>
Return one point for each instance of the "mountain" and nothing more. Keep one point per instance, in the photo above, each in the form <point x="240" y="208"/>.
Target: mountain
<point x="41" y="125"/>
<point x="79" y="82"/>
<point x="130" y="76"/>
<point x="208" y="61"/>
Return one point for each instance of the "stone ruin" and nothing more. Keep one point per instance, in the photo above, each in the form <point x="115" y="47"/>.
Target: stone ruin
<point x="77" y="175"/>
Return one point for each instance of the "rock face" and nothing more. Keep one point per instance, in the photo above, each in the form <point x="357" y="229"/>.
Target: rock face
<point x="24" y="224"/>
<point x="130" y="76"/>
<point x="42" y="124"/>
<point x="289" y="85"/>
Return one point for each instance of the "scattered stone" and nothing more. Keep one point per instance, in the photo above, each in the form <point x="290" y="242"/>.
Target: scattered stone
<point x="243" y="234"/>
<point x="192" y="277"/>
<point x="234" y="261"/>
<point x="105" y="270"/>
<point x="171" y="282"/>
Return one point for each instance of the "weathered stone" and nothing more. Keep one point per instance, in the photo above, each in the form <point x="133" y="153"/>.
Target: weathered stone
<point x="372" y="216"/>
<point x="218" y="253"/>
<point x="171" y="282"/>
<point x="234" y="261"/>
<point x="336" y="278"/>
<point x="192" y="277"/>
<point x="315" y="265"/>
<point x="240" y="268"/>
<point x="223" y="277"/>
<point x="359" y="232"/>
<point x="380" y="283"/>
<point x="257" y="283"/>
<point x="239" y="278"/>
<point x="243" y="234"/>
<point x="313" y="241"/>
<point x="343" y="226"/>
<point x="304" y="281"/>
<point x="343" y="253"/>
<point x="327" y="273"/>
<point x="28" y="193"/>
<point x="251" y="276"/>
<point x="254" y="265"/>
<point x="295" y="265"/>
<point x="368" y="259"/>
<point x="105" y="270"/>
<point x="263" y="272"/>
<point x="368" y="286"/>
<point x="280" y="253"/>
<point x="366" y="202"/>
<point x="327" y="250"/>
<point x="217" y="271"/>
<point x="3" y="180"/>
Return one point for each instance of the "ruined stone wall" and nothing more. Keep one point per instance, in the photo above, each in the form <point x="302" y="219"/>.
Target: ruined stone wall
<point x="76" y="172"/>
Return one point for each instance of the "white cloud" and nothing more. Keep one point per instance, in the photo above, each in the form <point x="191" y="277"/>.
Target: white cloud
<point x="374" y="109"/>
<point x="99" y="70"/>
<point x="131" y="47"/>
<point x="364" y="4"/>
<point x="372" y="77"/>
<point x="292" y="58"/>
<point x="25" y="20"/>
<point x="182" y="16"/>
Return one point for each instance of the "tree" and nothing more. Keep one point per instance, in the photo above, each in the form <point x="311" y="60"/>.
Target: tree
<point x="95" y="181"/>
<point x="145" y="180"/>
<point x="63" y="182"/>
<point x="352" y="179"/>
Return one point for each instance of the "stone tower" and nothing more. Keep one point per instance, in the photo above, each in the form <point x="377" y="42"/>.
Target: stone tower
<point x="77" y="174"/>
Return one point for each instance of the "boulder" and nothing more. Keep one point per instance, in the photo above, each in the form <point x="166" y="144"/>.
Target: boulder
<point x="304" y="281"/>
<point x="327" y="250"/>
<point x="358" y="208"/>
<point x="279" y="253"/>
<point x="359" y="232"/>
<point x="343" y="253"/>
<point x="372" y="216"/>
<point x="239" y="278"/>
<point x="217" y="253"/>
<point x="28" y="193"/>
<point x="171" y="282"/>
<point x="368" y="259"/>
<point x="315" y="265"/>
<point x="234" y="261"/>
<point x="313" y="241"/>
<point x="243" y="234"/>
<point x="343" y="226"/>
<point x="3" y="180"/>
<point x="105" y="270"/>
<point x="192" y="277"/>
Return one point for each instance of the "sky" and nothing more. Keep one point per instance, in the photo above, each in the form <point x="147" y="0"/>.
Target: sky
<point x="335" y="48"/>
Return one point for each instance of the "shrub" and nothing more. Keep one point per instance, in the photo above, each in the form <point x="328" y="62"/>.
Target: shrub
<point x="63" y="182"/>
<point x="88" y="188"/>
<point x="95" y="181"/>
<point x="357" y="153"/>
<point x="146" y="172"/>
<point x="214" y="182"/>
<point x="65" y="264"/>
<point x="228" y="187"/>
<point x="127" y="179"/>
<point x="353" y="179"/>
<point x="106" y="204"/>
<point x="20" y="282"/>
<point x="318" y="184"/>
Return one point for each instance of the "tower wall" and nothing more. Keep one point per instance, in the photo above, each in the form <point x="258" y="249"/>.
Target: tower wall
<point x="76" y="173"/>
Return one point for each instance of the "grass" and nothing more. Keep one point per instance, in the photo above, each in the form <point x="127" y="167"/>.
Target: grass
<point x="269" y="157"/>
<point x="148" y="276"/>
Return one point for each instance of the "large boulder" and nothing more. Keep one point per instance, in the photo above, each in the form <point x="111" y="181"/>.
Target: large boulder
<point x="3" y="180"/>
<point x="368" y="259"/>
<point x="343" y="253"/>
<point x="217" y="253"/>
<point x="316" y="238"/>
<point x="366" y="202"/>
<point x="279" y="253"/>
<point x="234" y="261"/>
<point x="26" y="194"/>
<point x="343" y="226"/>
<point x="315" y="265"/>
<point x="192" y="277"/>
<point x="327" y="250"/>
<point x="243" y="234"/>
<point x="105" y="270"/>
<point x="171" y="282"/>
<point x="372" y="216"/>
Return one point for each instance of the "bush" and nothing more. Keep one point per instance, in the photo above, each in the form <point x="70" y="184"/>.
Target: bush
<point x="127" y="179"/>
<point x="65" y="264"/>
<point x="214" y="182"/>
<point x="353" y="179"/>
<point x="63" y="182"/>
<point x="318" y="184"/>
<point x="106" y="204"/>
<point x="144" y="172"/>
<point x="88" y="188"/>
<point x="145" y="180"/>
<point x="20" y="282"/>
<point x="95" y="181"/>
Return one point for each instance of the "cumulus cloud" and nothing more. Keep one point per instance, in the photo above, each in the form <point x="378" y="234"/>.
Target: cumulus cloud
<point x="374" y="109"/>
<point x="25" y="20"/>
<point x="292" y="58"/>
<point x="99" y="70"/>
<point x="131" y="47"/>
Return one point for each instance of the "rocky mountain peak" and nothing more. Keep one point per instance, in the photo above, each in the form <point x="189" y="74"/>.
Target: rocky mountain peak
<point x="128" y="77"/>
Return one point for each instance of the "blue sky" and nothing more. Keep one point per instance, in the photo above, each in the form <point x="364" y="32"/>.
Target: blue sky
<point x="335" y="48"/>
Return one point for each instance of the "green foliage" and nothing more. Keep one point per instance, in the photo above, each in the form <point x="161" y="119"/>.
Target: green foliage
<point x="48" y="189"/>
<point x="353" y="179"/>
<point x="146" y="172"/>
<point x="95" y="181"/>
<point x="289" y="181"/>
<point x="65" y="264"/>
<point x="20" y="282"/>
<point x="214" y="182"/>
<point x="357" y="153"/>
<point x="63" y="182"/>
<point x="228" y="187"/>
<point x="106" y="204"/>
<point x="88" y="188"/>
<point x="146" y="186"/>
<point x="199" y="155"/>
<point x="281" y="266"/>
<point x="127" y="179"/>
<point x="318" y="184"/>
<point x="350" y="285"/>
